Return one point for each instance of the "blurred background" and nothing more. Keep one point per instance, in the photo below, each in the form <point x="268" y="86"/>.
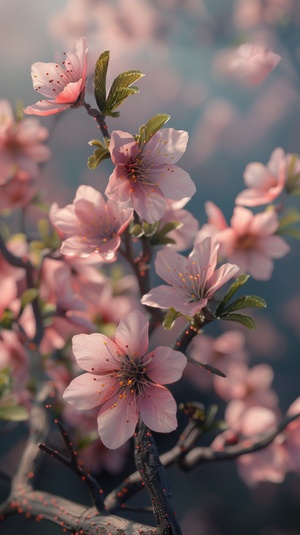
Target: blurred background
<point x="182" y="47"/>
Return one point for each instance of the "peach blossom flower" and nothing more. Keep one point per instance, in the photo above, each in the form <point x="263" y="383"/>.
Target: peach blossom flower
<point x="251" y="385"/>
<point x="90" y="225"/>
<point x="193" y="280"/>
<point x="251" y="243"/>
<point x="252" y="63"/>
<point x="265" y="183"/>
<point x="218" y="352"/>
<point x="268" y="464"/>
<point x="21" y="145"/>
<point x="66" y="84"/>
<point x="184" y="234"/>
<point x="125" y="381"/>
<point x="146" y="176"/>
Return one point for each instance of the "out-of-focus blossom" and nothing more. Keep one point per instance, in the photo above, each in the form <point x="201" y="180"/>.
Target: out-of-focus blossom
<point x="218" y="352"/>
<point x="17" y="192"/>
<point x="253" y="385"/>
<point x="264" y="183"/>
<point x="251" y="63"/>
<point x="22" y="146"/>
<point x="188" y="225"/>
<point x="292" y="437"/>
<point x="248" y="423"/>
<point x="247" y="15"/>
<point x="146" y="176"/>
<point x="193" y="280"/>
<point x="13" y="355"/>
<point x="216" y="222"/>
<point x="251" y="243"/>
<point x="125" y="381"/>
<point x="68" y="315"/>
<point x="91" y="225"/>
<point x="64" y="86"/>
<point x="91" y="450"/>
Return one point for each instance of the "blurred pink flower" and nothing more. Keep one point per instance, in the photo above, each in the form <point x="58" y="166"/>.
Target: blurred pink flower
<point x="248" y="423"/>
<point x="90" y="225"/>
<point x="17" y="192"/>
<point x="184" y="234"/>
<point x="252" y="63"/>
<point x="265" y="183"/>
<point x="193" y="280"/>
<point x="218" y="352"/>
<point x="252" y="385"/>
<point x="124" y="380"/>
<point x="251" y="242"/>
<point x="146" y="176"/>
<point x="292" y="437"/>
<point x="66" y="84"/>
<point x="21" y="145"/>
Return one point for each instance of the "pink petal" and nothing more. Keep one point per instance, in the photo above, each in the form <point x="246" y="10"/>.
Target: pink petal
<point x="95" y="353"/>
<point x="148" y="202"/>
<point x="71" y="92"/>
<point x="76" y="58"/>
<point x="158" y="409"/>
<point x="166" y="365"/>
<point x="117" y="421"/>
<point x="46" y="107"/>
<point x="64" y="219"/>
<point x="264" y="224"/>
<point x="122" y="147"/>
<point x="274" y="246"/>
<point x="220" y="277"/>
<point x="132" y="334"/>
<point x="88" y="391"/>
<point x="167" y="145"/>
<point x="174" y="182"/>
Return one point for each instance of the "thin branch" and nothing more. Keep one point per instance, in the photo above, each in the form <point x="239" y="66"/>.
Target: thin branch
<point x="95" y="490"/>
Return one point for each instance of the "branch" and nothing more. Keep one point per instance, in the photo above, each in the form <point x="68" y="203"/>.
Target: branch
<point x="200" y="455"/>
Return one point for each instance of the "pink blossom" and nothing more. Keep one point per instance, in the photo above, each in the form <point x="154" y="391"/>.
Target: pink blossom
<point x="66" y="84"/>
<point x="145" y="176"/>
<point x="21" y="145"/>
<point x="183" y="235"/>
<point x="292" y="436"/>
<point x="193" y="280"/>
<point x="247" y="424"/>
<point x="125" y="381"/>
<point x="252" y="385"/>
<point x="17" y="192"/>
<point x="218" y="352"/>
<point x="90" y="225"/>
<point x="264" y="183"/>
<point x="216" y="222"/>
<point x="252" y="63"/>
<point x="251" y="242"/>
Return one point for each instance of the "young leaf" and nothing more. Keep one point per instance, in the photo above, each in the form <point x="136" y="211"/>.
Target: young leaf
<point x="232" y="290"/>
<point x="100" y="79"/>
<point x="101" y="153"/>
<point x="170" y="318"/>
<point x="27" y="297"/>
<point x="247" y="321"/>
<point x="247" y="301"/>
<point x="120" y="90"/>
<point x="15" y="413"/>
<point x="153" y="125"/>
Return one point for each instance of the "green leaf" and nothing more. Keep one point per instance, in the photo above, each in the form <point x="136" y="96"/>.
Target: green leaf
<point x="27" y="297"/>
<point x="152" y="126"/>
<point x="291" y="217"/>
<point x="247" y="301"/>
<point x="120" y="90"/>
<point x="247" y="321"/>
<point x="232" y="290"/>
<point x="170" y="318"/>
<point x="100" y="154"/>
<point x="100" y="79"/>
<point x="293" y="233"/>
<point x="14" y="413"/>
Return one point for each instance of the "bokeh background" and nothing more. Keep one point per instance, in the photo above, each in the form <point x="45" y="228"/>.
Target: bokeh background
<point x="181" y="47"/>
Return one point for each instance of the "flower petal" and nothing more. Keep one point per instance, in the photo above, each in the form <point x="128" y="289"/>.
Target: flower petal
<point x="95" y="353"/>
<point x="166" y="365"/>
<point x="158" y="409"/>
<point x="117" y="421"/>
<point x="132" y="334"/>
